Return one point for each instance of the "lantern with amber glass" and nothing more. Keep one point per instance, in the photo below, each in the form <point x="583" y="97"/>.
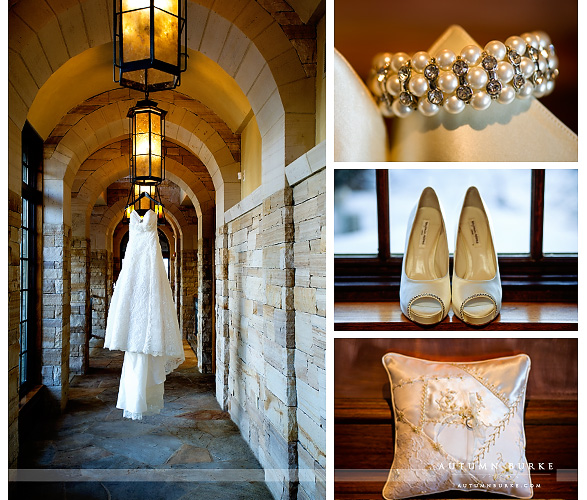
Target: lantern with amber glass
<point x="150" y="43"/>
<point x="147" y="131"/>
<point x="141" y="199"/>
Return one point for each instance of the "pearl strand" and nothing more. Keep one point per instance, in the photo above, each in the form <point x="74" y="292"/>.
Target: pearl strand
<point x="521" y="67"/>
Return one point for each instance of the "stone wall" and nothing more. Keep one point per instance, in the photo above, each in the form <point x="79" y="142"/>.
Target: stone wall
<point x="56" y="313"/>
<point x="271" y="328"/>
<point x="80" y="305"/>
<point x="14" y="222"/>
<point x="176" y="271"/>
<point x="222" y="316"/>
<point x="99" y="290"/>
<point x="309" y="215"/>
<point x="112" y="272"/>
<point x="255" y="335"/>
<point x="189" y="292"/>
<point x="205" y="335"/>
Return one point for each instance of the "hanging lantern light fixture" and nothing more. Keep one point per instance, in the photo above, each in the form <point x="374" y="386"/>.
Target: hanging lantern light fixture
<point x="150" y="43"/>
<point x="147" y="132"/>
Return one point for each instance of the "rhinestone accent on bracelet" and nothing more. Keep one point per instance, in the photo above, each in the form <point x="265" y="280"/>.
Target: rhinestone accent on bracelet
<point x="522" y="67"/>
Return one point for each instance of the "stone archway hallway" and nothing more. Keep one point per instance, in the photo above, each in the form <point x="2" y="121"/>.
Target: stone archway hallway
<point x="191" y="450"/>
<point x="245" y="211"/>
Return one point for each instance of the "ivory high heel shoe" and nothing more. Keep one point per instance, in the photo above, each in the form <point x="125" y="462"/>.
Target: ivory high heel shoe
<point x="425" y="281"/>
<point x="476" y="285"/>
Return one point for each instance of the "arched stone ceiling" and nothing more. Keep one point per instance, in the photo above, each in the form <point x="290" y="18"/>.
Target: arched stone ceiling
<point x="117" y="198"/>
<point x="49" y="36"/>
<point x="108" y="124"/>
<point x="167" y="100"/>
<point x="110" y="163"/>
<point x="242" y="38"/>
<point x="113" y="159"/>
<point x="116" y="169"/>
<point x="242" y="63"/>
<point x="90" y="73"/>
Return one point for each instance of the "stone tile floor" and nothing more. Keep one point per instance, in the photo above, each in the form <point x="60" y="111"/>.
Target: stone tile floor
<point x="191" y="450"/>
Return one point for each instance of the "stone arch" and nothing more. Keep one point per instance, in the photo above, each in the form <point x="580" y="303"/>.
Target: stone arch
<point x="113" y="170"/>
<point x="64" y="163"/>
<point x="47" y="37"/>
<point x="109" y="124"/>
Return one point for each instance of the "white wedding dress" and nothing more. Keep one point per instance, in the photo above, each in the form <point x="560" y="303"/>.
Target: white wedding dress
<point x="142" y="321"/>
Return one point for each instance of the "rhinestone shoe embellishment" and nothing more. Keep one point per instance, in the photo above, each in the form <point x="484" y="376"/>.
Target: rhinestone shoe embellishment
<point x="476" y="296"/>
<point x="422" y="296"/>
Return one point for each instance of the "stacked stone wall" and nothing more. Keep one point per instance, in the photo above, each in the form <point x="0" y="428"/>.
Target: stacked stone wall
<point x="222" y="316"/>
<point x="205" y="312"/>
<point x="99" y="290"/>
<point x="80" y="305"/>
<point x="189" y="292"/>
<point x="271" y="329"/>
<point x="309" y="215"/>
<point x="56" y="313"/>
<point x="255" y="253"/>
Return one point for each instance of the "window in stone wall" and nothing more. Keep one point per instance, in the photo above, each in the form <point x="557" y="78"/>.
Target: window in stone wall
<point x="32" y="151"/>
<point x="534" y="213"/>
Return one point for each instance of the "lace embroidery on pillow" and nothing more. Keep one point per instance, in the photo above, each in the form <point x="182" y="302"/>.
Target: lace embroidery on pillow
<point x="498" y="429"/>
<point x="422" y="466"/>
<point x="466" y="415"/>
<point x="471" y="370"/>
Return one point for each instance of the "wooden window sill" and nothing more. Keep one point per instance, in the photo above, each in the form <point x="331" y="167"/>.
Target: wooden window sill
<point x="514" y="316"/>
<point x="30" y="396"/>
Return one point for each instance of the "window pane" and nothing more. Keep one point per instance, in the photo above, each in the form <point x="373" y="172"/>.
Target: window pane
<point x="23" y="305"/>
<point x="24" y="274"/>
<point x="23" y="369"/>
<point x="561" y="211"/>
<point x="23" y="337"/>
<point x="355" y="212"/>
<point x="25" y="213"/>
<point x="506" y="193"/>
<point x="24" y="244"/>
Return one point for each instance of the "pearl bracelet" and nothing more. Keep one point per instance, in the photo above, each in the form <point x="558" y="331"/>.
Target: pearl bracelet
<point x="524" y="66"/>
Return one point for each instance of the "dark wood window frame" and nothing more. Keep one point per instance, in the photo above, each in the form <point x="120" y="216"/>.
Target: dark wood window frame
<point x="535" y="276"/>
<point x="32" y="198"/>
